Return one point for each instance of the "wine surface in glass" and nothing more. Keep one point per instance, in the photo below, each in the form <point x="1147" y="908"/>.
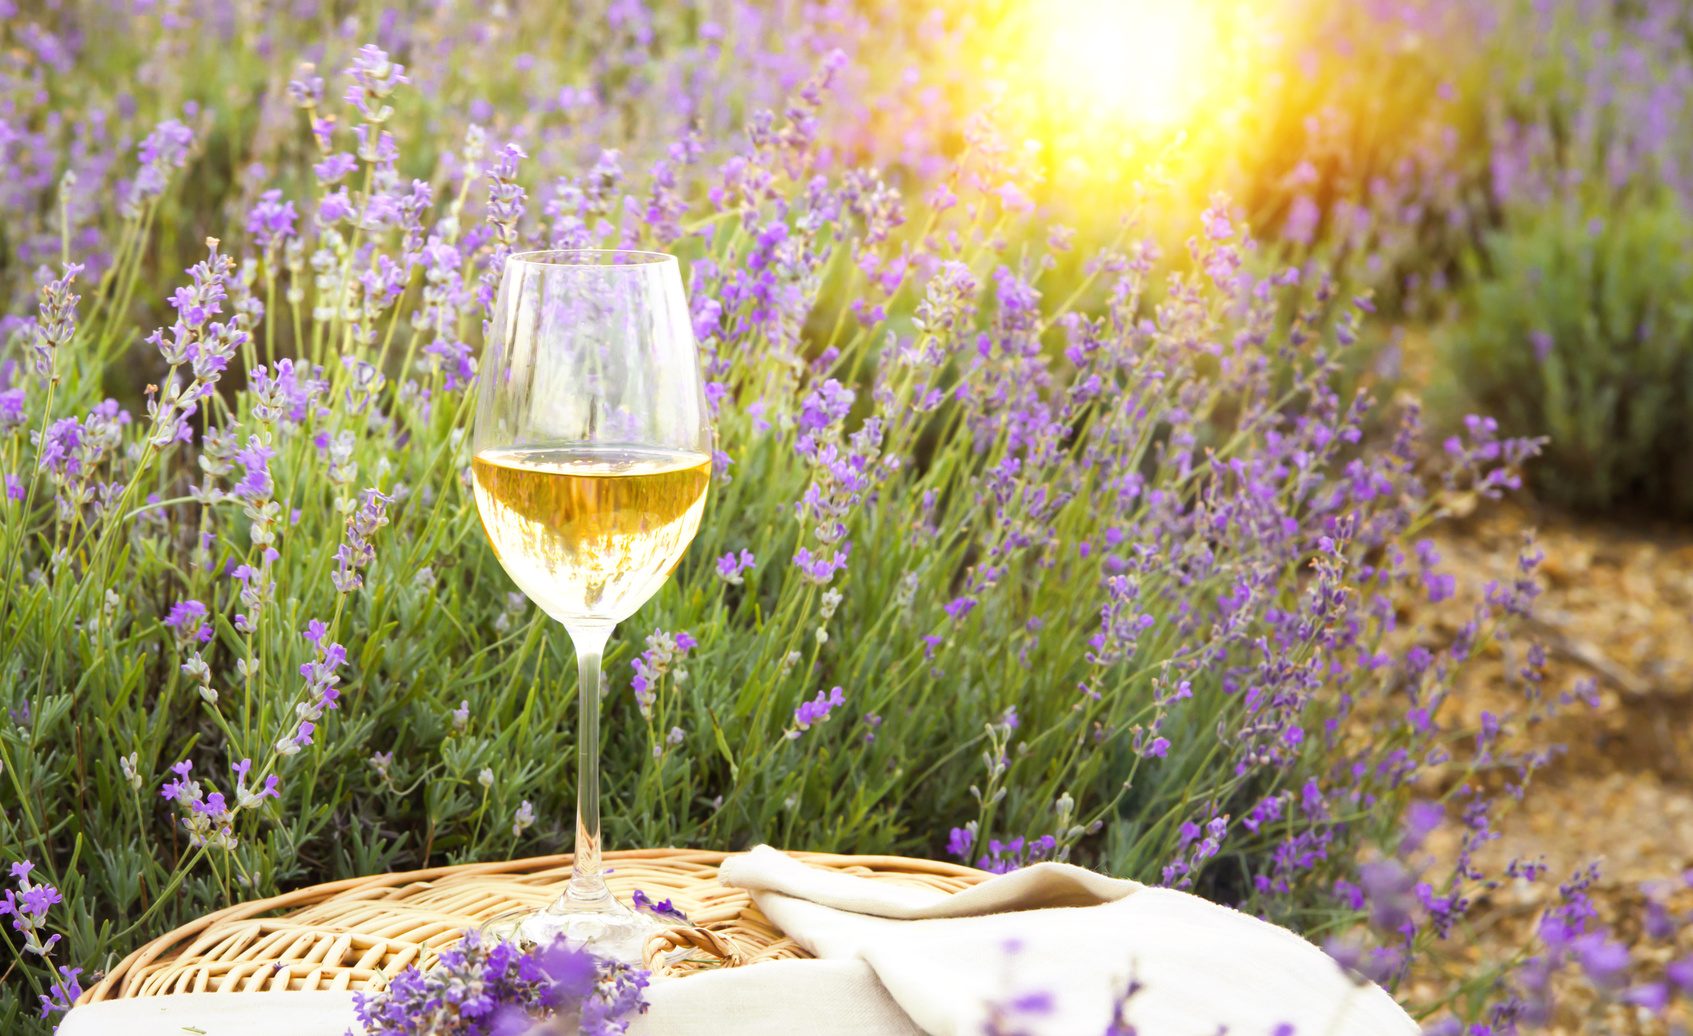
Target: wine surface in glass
<point x="589" y="532"/>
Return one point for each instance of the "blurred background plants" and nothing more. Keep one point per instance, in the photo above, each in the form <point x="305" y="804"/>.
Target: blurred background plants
<point x="1054" y="516"/>
<point x="1581" y="330"/>
<point x="1575" y="320"/>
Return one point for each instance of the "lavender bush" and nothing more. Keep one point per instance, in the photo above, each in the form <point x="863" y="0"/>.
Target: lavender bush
<point x="1015" y="550"/>
<point x="1580" y="332"/>
<point x="1576" y="325"/>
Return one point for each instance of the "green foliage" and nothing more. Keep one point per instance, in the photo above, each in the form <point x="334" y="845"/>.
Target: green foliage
<point x="1579" y="328"/>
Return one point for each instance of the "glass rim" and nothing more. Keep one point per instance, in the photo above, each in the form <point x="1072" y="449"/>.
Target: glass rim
<point x="596" y="258"/>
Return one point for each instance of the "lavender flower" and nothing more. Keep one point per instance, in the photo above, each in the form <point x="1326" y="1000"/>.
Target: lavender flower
<point x="356" y="551"/>
<point x="505" y="197"/>
<point x="1005" y="857"/>
<point x="207" y="816"/>
<point x="288" y="393"/>
<point x="28" y="906"/>
<point x="335" y="168"/>
<point x="162" y="152"/>
<point x="375" y="78"/>
<point x="821" y="569"/>
<point x="478" y="989"/>
<point x="60" y="448"/>
<point x="732" y="566"/>
<point x="271" y="221"/>
<point x="816" y="711"/>
<point x="664" y="653"/>
<point x="62" y="994"/>
<point x="54" y="327"/>
<point x="662" y="909"/>
<point x="321" y="692"/>
<point x="523" y="819"/>
<point x="255" y="483"/>
<point x="12" y="407"/>
<point x="187" y="618"/>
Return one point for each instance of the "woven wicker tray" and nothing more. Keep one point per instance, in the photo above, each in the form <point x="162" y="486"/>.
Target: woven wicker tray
<point x="352" y="934"/>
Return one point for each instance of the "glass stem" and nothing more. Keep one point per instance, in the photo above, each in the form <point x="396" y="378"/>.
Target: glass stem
<point x="587" y="886"/>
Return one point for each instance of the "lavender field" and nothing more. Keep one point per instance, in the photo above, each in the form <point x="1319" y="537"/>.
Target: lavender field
<point x="1107" y="394"/>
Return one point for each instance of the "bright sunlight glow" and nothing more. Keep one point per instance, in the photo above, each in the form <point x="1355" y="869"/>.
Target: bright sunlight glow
<point x="1114" y="95"/>
<point x="1128" y="65"/>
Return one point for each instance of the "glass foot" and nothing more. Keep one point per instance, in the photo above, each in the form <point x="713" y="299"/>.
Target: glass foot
<point x="606" y="927"/>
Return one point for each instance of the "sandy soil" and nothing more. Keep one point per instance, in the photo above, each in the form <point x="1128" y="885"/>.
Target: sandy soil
<point x="1617" y="608"/>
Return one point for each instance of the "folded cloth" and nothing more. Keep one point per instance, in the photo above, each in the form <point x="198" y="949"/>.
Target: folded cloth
<point x="319" y="1012"/>
<point x="777" y="998"/>
<point x="1056" y="947"/>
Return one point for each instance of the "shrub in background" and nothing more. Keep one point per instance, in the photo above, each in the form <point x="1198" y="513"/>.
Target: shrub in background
<point x="1581" y="330"/>
<point x="1577" y="323"/>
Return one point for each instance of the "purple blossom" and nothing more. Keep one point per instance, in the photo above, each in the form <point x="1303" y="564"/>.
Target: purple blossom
<point x="1303" y="217"/>
<point x="1603" y="960"/>
<point x="374" y="79"/>
<point x="817" y="710"/>
<point x="505" y="196"/>
<point x="287" y="393"/>
<point x="162" y="152"/>
<point x="321" y="692"/>
<point x="271" y="221"/>
<point x="1017" y="853"/>
<point x="62" y="994"/>
<point x="1217" y="224"/>
<point x="11" y="407"/>
<point x="357" y="550"/>
<point x="254" y="458"/>
<point x="664" y="652"/>
<point x="498" y="989"/>
<point x="28" y="905"/>
<point x="306" y="89"/>
<point x="821" y="569"/>
<point x="335" y="207"/>
<point x="827" y="405"/>
<point x="732" y="567"/>
<point x="180" y="788"/>
<point x="335" y="168"/>
<point x="1679" y="972"/>
<point x="60" y="448"/>
<point x="663" y="908"/>
<point x="187" y="618"/>
<point x="53" y="328"/>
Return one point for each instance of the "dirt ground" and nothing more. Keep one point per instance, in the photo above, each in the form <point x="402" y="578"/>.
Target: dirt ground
<point x="1618" y="608"/>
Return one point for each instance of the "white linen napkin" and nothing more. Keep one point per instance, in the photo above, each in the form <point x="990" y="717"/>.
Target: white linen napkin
<point x="777" y="998"/>
<point x="319" y="1012"/>
<point x="1080" y="938"/>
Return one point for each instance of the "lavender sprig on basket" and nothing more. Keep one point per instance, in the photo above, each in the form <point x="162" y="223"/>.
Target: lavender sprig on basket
<point x="501" y="989"/>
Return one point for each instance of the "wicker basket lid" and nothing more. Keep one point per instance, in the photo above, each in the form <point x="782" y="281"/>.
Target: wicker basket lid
<point x="353" y="934"/>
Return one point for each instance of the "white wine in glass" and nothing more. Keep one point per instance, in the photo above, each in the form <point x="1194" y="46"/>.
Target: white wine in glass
<point x="589" y="531"/>
<point x="591" y="460"/>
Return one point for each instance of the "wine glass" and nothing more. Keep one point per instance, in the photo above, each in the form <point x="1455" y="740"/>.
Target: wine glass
<point x="591" y="458"/>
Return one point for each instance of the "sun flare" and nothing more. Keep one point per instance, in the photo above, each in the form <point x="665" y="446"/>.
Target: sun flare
<point x="1124" y="65"/>
<point x="1120" y="94"/>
